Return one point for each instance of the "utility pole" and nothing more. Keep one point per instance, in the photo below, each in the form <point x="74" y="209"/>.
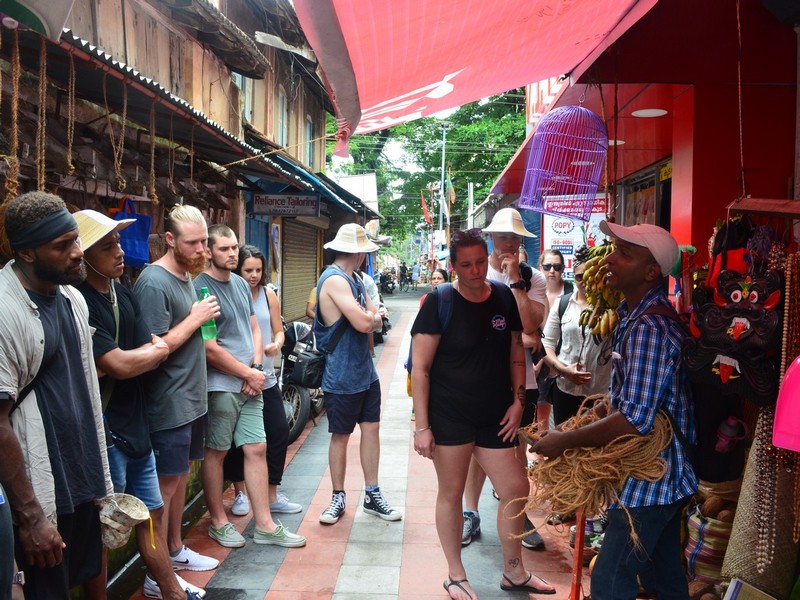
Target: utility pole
<point x="442" y="198"/>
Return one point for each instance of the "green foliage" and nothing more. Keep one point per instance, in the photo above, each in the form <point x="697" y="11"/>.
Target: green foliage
<point x="480" y="140"/>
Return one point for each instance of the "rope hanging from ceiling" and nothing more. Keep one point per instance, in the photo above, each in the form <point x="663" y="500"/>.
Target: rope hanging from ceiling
<point x="152" y="191"/>
<point x="41" y="119"/>
<point x="117" y="145"/>
<point x="70" y="114"/>
<point x="12" y="178"/>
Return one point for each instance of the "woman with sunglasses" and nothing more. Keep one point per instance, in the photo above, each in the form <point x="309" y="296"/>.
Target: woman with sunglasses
<point x="551" y="263"/>
<point x="469" y="393"/>
<point x="581" y="366"/>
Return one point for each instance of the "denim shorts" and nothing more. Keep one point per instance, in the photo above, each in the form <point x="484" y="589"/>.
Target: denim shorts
<point x="135" y="476"/>
<point x="234" y="418"/>
<point x="174" y="448"/>
<point x="345" y="410"/>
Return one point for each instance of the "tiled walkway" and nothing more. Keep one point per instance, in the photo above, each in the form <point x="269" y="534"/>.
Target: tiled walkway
<point x="362" y="556"/>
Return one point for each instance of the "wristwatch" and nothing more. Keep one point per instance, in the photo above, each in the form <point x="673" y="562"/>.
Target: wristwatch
<point x="18" y="578"/>
<point x="517" y="285"/>
<point x="257" y="366"/>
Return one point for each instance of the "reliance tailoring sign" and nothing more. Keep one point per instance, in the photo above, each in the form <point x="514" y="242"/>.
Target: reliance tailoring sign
<point x="286" y="205"/>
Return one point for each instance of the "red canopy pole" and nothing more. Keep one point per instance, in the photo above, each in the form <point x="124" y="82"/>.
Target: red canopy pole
<point x="577" y="563"/>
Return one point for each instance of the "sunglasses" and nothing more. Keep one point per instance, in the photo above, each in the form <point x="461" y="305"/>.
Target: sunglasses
<point x="557" y="267"/>
<point x="578" y="276"/>
<point x="460" y="236"/>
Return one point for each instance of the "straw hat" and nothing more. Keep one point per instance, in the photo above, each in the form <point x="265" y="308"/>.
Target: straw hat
<point x="351" y="239"/>
<point x="118" y="516"/>
<point x="94" y="226"/>
<point x="508" y="220"/>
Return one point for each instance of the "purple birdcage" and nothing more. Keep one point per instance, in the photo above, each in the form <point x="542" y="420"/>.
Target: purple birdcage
<point x="565" y="165"/>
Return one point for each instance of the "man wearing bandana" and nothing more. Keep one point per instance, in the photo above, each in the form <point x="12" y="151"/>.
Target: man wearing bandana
<point x="54" y="467"/>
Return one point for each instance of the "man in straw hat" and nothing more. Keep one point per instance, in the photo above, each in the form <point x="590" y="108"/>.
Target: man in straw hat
<point x="54" y="467"/>
<point x="123" y="350"/>
<point x="350" y="382"/>
<point x="647" y="376"/>
<point x="176" y="390"/>
<point x="507" y="232"/>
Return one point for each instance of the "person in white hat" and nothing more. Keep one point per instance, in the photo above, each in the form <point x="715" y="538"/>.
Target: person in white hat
<point x="648" y="376"/>
<point x="350" y="382"/>
<point x="123" y="350"/>
<point x="507" y="232"/>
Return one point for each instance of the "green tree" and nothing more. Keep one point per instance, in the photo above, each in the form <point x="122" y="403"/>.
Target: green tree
<point x="481" y="139"/>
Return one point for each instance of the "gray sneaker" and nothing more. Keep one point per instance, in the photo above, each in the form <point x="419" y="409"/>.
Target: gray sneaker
<point x="472" y="527"/>
<point x="280" y="537"/>
<point x="335" y="509"/>
<point x="226" y="536"/>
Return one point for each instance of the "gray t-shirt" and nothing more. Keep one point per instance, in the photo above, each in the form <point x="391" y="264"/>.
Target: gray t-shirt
<point x="176" y="390"/>
<point x="233" y="326"/>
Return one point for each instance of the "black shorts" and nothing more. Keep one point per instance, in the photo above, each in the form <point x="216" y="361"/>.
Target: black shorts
<point x="452" y="428"/>
<point x="345" y="410"/>
<point x="82" y="556"/>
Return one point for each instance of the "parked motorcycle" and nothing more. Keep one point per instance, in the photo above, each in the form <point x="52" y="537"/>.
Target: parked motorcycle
<point x="387" y="324"/>
<point x="297" y="400"/>
<point x="387" y="284"/>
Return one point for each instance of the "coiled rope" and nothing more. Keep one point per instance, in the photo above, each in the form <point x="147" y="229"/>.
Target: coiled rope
<point x="591" y="478"/>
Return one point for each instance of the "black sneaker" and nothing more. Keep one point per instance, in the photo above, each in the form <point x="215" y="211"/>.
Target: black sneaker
<point x="532" y="540"/>
<point x="375" y="504"/>
<point x="335" y="509"/>
<point x="472" y="528"/>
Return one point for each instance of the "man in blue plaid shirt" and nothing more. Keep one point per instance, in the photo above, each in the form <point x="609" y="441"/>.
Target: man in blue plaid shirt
<point x="648" y="375"/>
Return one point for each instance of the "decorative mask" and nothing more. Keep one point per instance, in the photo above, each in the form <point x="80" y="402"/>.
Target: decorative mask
<point x="736" y="336"/>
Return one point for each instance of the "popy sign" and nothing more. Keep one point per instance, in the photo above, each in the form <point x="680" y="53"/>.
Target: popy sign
<point x="563" y="226"/>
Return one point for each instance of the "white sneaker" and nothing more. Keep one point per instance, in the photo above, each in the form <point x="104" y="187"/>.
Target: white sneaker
<point x="189" y="560"/>
<point x="283" y="505"/>
<point x="151" y="589"/>
<point x="241" y="505"/>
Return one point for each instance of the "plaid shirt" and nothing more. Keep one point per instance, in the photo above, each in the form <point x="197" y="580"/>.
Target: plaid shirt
<point x="648" y="375"/>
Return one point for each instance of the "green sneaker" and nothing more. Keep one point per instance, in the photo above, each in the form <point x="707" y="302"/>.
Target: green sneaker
<point x="226" y="536"/>
<point x="280" y="537"/>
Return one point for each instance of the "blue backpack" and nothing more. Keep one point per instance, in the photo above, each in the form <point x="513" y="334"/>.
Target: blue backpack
<point x="444" y="305"/>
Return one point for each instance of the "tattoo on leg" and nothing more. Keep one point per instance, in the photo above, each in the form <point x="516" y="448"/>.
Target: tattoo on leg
<point x="513" y="563"/>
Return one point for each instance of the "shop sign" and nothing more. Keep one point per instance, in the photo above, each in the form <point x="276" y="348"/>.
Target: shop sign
<point x="286" y="205"/>
<point x="566" y="234"/>
<point x="665" y="172"/>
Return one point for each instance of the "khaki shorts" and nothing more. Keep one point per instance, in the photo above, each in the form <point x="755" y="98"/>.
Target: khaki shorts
<point x="234" y="418"/>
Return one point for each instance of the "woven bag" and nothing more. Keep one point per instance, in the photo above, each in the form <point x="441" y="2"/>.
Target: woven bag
<point x="708" y="540"/>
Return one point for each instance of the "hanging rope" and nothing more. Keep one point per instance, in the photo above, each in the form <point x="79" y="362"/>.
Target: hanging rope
<point x="117" y="146"/>
<point x="171" y="158"/>
<point x="589" y="478"/>
<point x="739" y="90"/>
<point x="152" y="192"/>
<point x="191" y="158"/>
<point x="41" y="119"/>
<point x="70" y="114"/>
<point x="12" y="179"/>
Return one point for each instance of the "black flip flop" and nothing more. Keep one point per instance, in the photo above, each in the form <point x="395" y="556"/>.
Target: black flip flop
<point x="524" y="587"/>
<point x="457" y="583"/>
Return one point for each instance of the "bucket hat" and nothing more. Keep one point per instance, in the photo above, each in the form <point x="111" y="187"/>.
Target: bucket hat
<point x="508" y="220"/>
<point x="94" y="226"/>
<point x="351" y="239"/>
<point x="658" y="240"/>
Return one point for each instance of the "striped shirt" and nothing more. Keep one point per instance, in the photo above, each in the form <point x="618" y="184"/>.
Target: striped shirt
<point x="648" y="375"/>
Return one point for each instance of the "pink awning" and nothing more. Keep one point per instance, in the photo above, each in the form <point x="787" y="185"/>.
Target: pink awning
<point x="391" y="61"/>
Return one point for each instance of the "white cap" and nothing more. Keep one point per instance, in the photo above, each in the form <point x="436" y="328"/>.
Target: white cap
<point x="656" y="239"/>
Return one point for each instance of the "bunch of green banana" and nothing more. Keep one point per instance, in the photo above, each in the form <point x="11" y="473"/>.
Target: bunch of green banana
<point x="601" y="318"/>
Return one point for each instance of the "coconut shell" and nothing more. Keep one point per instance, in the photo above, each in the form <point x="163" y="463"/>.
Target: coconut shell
<point x="726" y="516"/>
<point x="712" y="506"/>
